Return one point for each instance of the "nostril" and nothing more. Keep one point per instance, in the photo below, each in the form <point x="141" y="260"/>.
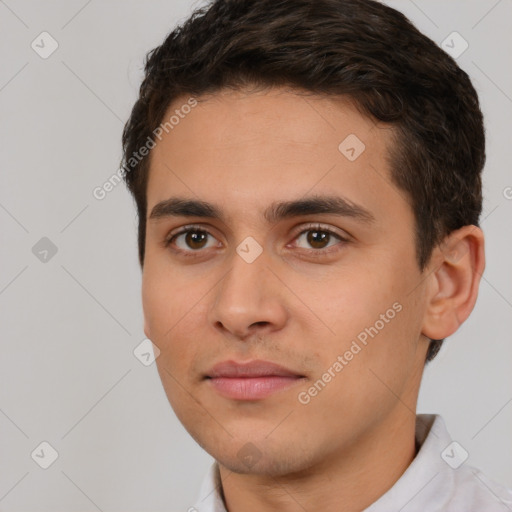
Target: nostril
<point x="259" y="324"/>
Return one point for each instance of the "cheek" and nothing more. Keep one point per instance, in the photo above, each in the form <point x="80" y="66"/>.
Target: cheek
<point x="371" y="305"/>
<point x="157" y="303"/>
<point x="164" y="306"/>
<point x="175" y="305"/>
<point x="377" y="358"/>
<point x="348" y="301"/>
<point x="166" y="296"/>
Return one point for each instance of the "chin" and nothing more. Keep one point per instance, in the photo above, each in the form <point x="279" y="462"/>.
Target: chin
<point x="263" y="458"/>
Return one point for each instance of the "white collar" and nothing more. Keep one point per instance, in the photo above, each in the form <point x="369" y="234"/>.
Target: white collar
<point x="438" y="479"/>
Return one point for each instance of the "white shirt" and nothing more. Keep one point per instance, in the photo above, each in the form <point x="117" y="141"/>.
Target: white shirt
<point x="438" y="479"/>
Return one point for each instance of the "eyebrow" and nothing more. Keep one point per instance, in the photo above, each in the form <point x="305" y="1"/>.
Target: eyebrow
<point x="334" y="205"/>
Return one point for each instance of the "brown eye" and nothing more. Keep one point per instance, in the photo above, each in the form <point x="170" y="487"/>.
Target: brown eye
<point x="318" y="239"/>
<point x="196" y="239"/>
<point x="191" y="239"/>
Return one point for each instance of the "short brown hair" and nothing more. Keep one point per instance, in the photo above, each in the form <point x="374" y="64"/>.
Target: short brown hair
<point x="356" y="48"/>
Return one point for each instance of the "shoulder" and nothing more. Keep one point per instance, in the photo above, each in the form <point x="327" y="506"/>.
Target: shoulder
<point x="472" y="491"/>
<point x="439" y="479"/>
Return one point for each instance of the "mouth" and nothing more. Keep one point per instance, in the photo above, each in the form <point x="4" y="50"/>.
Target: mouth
<point x="254" y="380"/>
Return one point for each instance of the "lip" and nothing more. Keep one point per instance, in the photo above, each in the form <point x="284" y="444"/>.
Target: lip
<point x="254" y="380"/>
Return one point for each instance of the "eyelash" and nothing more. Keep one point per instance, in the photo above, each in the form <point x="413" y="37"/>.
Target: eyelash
<point x="309" y="227"/>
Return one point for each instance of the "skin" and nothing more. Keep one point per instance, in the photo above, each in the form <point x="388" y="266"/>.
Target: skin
<point x="299" y="304"/>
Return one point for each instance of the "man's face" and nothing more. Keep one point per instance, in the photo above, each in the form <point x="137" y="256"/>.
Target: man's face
<point x="335" y="297"/>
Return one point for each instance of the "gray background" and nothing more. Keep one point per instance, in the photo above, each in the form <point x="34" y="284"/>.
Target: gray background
<point x="70" y="323"/>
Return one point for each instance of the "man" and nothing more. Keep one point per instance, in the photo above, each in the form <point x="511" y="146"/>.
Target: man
<point x="307" y="176"/>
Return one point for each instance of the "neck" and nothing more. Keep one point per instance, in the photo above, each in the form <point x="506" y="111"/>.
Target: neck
<point x="348" y="482"/>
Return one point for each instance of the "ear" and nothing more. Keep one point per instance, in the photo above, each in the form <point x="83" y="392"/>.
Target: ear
<point x="456" y="267"/>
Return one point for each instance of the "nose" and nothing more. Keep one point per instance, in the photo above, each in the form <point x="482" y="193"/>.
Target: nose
<point x="249" y="300"/>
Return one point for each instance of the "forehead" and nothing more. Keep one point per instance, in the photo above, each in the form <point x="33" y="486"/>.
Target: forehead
<point x="246" y="150"/>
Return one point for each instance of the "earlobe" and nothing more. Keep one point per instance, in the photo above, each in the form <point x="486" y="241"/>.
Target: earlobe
<point x="458" y="263"/>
